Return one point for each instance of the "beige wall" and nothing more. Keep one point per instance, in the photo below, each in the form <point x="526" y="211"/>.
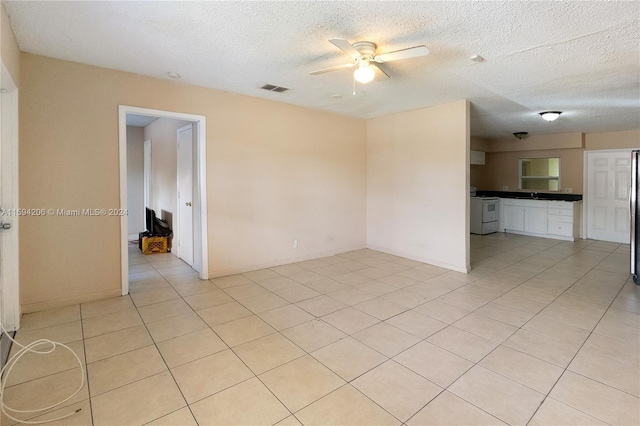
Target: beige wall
<point x="537" y="142"/>
<point x="275" y="172"/>
<point x="502" y="156"/>
<point x="476" y="171"/>
<point x="501" y="169"/>
<point x="417" y="184"/>
<point x="613" y="140"/>
<point x="164" y="143"/>
<point x="135" y="179"/>
<point x="9" y="51"/>
<point x="479" y="144"/>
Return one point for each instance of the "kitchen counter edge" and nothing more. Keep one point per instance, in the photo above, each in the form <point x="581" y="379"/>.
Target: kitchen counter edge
<point x="528" y="195"/>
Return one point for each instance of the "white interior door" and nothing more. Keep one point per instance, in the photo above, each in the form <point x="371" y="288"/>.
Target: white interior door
<point x="146" y="167"/>
<point x="9" y="276"/>
<point x="608" y="178"/>
<point x="185" y="194"/>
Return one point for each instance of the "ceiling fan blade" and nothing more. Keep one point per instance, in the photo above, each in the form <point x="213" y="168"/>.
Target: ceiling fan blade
<point x="380" y="74"/>
<point x="346" y="47"/>
<point x="412" y="52"/>
<point x="335" y="68"/>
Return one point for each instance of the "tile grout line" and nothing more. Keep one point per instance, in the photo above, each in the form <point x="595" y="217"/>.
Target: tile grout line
<point x="591" y="332"/>
<point x="547" y="304"/>
<point x="61" y="371"/>
<point x="154" y="343"/>
<point x="188" y="405"/>
<point x="86" y="365"/>
<point x="320" y="362"/>
<point x="375" y="296"/>
<point x="576" y="354"/>
<point x="519" y="328"/>
<point x="241" y="360"/>
<point x="583" y="343"/>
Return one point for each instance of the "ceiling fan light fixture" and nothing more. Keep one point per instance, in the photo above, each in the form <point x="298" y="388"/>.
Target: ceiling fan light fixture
<point x="365" y="73"/>
<point x="550" y="115"/>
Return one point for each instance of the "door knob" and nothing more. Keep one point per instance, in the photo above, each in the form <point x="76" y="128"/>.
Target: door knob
<point x="5" y="226"/>
<point x="188" y="204"/>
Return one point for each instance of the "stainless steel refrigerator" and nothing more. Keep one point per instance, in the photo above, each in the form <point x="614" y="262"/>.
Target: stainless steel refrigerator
<point x="634" y="203"/>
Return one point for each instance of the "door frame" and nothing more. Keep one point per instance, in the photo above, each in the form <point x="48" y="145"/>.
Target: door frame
<point x="201" y="162"/>
<point x="585" y="185"/>
<point x="10" y="268"/>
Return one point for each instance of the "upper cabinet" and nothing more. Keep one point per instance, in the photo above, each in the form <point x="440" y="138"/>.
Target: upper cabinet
<point x="477" y="157"/>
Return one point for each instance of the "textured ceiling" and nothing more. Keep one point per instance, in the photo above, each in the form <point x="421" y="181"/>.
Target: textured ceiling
<point x="579" y="57"/>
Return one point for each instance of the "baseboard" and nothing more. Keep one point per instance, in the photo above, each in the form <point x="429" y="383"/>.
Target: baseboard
<point x="256" y="266"/>
<point x="457" y="268"/>
<point x="61" y="303"/>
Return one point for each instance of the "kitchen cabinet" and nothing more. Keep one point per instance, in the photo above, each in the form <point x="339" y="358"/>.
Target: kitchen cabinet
<point x="528" y="216"/>
<point x="477" y="157"/>
<point x="535" y="220"/>
<point x="541" y="218"/>
<point x="513" y="217"/>
<point x="563" y="219"/>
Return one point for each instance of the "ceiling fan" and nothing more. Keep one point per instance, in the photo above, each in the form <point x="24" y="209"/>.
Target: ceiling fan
<point x="363" y="54"/>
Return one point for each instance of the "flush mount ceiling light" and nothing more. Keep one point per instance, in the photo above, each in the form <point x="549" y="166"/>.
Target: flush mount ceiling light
<point x="365" y="73"/>
<point x="520" y="135"/>
<point x="550" y="115"/>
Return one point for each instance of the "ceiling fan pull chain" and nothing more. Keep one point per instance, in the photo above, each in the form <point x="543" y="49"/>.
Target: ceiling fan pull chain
<point x="354" y="85"/>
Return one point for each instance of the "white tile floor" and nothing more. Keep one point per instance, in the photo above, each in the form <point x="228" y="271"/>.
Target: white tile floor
<point x="541" y="332"/>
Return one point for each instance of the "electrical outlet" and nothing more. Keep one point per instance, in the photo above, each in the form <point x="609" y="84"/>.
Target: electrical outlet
<point x="505" y="188"/>
<point x="568" y="190"/>
<point x="295" y="244"/>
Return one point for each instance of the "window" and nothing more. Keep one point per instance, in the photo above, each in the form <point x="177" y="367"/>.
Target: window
<point x="540" y="174"/>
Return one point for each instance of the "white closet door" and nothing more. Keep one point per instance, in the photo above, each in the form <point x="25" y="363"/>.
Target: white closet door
<point x="608" y="176"/>
<point x="185" y="194"/>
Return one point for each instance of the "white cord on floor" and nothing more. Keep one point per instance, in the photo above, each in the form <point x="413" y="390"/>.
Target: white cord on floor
<point x="6" y="372"/>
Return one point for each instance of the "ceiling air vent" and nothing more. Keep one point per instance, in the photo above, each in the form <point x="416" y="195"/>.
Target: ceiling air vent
<point x="274" y="88"/>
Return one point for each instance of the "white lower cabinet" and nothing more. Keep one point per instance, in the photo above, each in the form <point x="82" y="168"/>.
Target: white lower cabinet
<point x="541" y="218"/>
<point x="535" y="220"/>
<point x="564" y="219"/>
<point x="513" y="217"/>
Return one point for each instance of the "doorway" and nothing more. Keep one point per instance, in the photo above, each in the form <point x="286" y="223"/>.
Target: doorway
<point x="200" y="257"/>
<point x="607" y="177"/>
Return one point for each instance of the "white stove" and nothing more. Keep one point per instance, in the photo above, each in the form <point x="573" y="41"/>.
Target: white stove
<point x="484" y="215"/>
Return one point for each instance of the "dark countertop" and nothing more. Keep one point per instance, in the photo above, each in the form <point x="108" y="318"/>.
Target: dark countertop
<point x="553" y="196"/>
